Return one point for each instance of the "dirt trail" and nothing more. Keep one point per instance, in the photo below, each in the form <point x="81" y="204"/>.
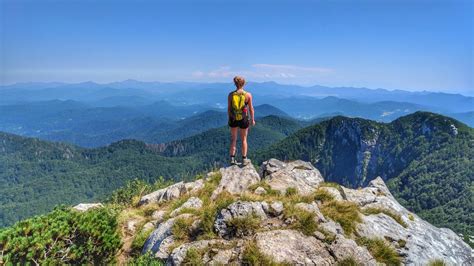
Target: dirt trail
<point x="128" y="234"/>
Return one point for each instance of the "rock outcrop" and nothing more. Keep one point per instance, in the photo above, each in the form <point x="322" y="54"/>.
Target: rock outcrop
<point x="422" y="241"/>
<point x="236" y="179"/>
<point x="241" y="210"/>
<point x="172" y="192"/>
<point x="291" y="246"/>
<point x="82" y="207"/>
<point x="163" y="231"/>
<point x="299" y="175"/>
<point x="192" y="203"/>
<point x="300" y="229"/>
<point x="165" y="194"/>
<point x="344" y="248"/>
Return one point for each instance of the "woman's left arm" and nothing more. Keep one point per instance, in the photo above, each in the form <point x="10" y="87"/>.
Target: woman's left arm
<point x="252" y="112"/>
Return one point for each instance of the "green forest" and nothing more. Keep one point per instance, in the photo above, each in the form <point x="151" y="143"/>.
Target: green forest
<point x="37" y="175"/>
<point x="426" y="159"/>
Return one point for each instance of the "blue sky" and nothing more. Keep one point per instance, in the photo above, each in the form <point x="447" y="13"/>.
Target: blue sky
<point x="411" y="45"/>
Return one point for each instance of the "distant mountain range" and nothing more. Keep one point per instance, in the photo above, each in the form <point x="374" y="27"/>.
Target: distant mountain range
<point x="214" y="94"/>
<point x="92" y="115"/>
<point x="426" y="159"/>
<point x="87" y="125"/>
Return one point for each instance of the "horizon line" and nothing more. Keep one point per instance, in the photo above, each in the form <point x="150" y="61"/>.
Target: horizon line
<point x="464" y="93"/>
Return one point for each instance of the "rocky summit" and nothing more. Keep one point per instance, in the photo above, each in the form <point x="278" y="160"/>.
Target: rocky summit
<point x="285" y="213"/>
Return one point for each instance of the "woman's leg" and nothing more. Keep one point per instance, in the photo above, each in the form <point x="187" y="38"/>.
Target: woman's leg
<point x="243" y="137"/>
<point x="233" y="140"/>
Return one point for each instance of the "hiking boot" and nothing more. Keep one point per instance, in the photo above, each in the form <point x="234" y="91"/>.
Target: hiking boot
<point x="233" y="161"/>
<point x="245" y="161"/>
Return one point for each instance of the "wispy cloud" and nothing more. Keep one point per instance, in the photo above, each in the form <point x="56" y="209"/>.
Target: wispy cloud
<point x="264" y="72"/>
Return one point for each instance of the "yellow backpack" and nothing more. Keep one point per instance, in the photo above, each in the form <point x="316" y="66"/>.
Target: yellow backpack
<point x="239" y="106"/>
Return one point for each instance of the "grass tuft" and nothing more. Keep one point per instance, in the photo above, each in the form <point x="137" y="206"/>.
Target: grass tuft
<point x="380" y="250"/>
<point x="253" y="256"/>
<point x="377" y="210"/>
<point x="262" y="183"/>
<point x="145" y="259"/>
<point x="323" y="195"/>
<point x="349" y="261"/>
<point x="209" y="186"/>
<point x="243" y="226"/>
<point x="291" y="191"/>
<point x="209" y="211"/>
<point x="193" y="257"/>
<point x="139" y="241"/>
<point x="437" y="262"/>
<point x="329" y="236"/>
<point x="304" y="221"/>
<point x="344" y="212"/>
<point x="330" y="184"/>
<point x="182" y="229"/>
<point x="402" y="243"/>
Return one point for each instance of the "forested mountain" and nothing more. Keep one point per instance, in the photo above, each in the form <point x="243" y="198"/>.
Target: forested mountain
<point x="427" y="159"/>
<point x="36" y="175"/>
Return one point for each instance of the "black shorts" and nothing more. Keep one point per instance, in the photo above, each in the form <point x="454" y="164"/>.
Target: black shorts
<point x="243" y="124"/>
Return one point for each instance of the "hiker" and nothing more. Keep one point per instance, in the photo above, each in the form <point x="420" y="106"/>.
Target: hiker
<point x="239" y="104"/>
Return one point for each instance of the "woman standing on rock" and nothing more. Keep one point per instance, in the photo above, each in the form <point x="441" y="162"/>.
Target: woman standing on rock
<point x="239" y="105"/>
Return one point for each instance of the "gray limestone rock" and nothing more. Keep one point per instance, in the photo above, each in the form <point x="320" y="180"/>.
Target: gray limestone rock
<point x="179" y="254"/>
<point x="165" y="194"/>
<point x="276" y="208"/>
<point x="332" y="227"/>
<point x="236" y="179"/>
<point x="334" y="192"/>
<point x="300" y="175"/>
<point x="163" y="251"/>
<point x="343" y="248"/>
<point x="239" y="209"/>
<point x="292" y="247"/>
<point x="158" y="215"/>
<point x="163" y="231"/>
<point x="312" y="207"/>
<point x="194" y="186"/>
<point x="82" y="207"/>
<point x="260" y="191"/>
<point x="271" y="166"/>
<point x="191" y="203"/>
<point x="424" y="241"/>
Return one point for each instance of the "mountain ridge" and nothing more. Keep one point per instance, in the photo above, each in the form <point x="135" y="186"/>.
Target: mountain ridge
<point x="409" y="153"/>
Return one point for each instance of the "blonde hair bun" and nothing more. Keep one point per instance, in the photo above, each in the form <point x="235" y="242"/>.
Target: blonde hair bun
<point x="239" y="81"/>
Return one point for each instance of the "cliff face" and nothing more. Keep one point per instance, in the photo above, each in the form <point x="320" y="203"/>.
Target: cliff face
<point x="424" y="158"/>
<point x="286" y="213"/>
